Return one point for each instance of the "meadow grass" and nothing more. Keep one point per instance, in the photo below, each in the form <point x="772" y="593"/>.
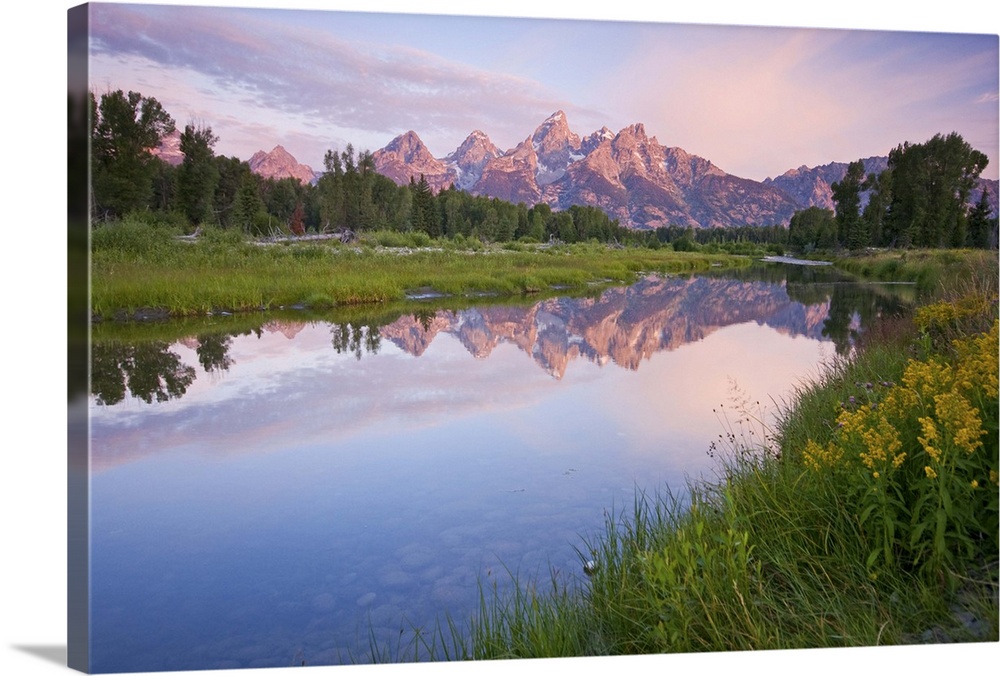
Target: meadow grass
<point x="819" y="532"/>
<point x="135" y="266"/>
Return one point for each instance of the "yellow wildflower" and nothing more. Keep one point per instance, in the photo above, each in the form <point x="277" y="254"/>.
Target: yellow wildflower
<point x="817" y="457"/>
<point x="930" y="431"/>
<point x="960" y="419"/>
<point x="978" y="367"/>
<point x="926" y="378"/>
<point x="945" y="313"/>
<point x="881" y="441"/>
<point x="929" y="471"/>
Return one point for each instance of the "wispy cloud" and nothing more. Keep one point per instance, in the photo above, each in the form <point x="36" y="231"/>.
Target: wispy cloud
<point x="755" y="101"/>
<point x="313" y="76"/>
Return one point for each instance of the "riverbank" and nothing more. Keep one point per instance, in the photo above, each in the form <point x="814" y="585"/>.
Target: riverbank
<point x="140" y="271"/>
<point x="866" y="517"/>
<point x="929" y="269"/>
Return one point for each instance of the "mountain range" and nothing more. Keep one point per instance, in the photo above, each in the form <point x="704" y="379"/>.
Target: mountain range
<point x="628" y="174"/>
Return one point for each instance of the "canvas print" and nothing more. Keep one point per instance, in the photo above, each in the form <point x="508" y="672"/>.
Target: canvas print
<point x="406" y="338"/>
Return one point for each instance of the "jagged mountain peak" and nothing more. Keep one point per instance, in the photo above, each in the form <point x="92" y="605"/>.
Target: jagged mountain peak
<point x="637" y="129"/>
<point x="278" y="164"/>
<point x="555" y="130"/>
<point x="476" y="143"/>
<point x="469" y="159"/>
<point x="407" y="157"/>
<point x="409" y="145"/>
<point x="555" y="146"/>
<point x="555" y="121"/>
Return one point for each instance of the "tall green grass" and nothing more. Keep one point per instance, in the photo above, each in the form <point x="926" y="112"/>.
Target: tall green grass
<point x="136" y="266"/>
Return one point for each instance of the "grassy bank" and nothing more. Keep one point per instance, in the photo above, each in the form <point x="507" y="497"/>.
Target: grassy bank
<point x="136" y="266"/>
<point x="929" y="269"/>
<point x="867" y="517"/>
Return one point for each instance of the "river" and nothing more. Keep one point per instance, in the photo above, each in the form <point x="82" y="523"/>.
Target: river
<point x="280" y="489"/>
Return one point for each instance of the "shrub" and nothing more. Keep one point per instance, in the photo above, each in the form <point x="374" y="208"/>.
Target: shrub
<point x="685" y="243"/>
<point x="393" y="239"/>
<point x="216" y="235"/>
<point x="131" y="236"/>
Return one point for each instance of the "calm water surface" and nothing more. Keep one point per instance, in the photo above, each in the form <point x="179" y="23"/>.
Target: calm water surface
<point x="274" y="495"/>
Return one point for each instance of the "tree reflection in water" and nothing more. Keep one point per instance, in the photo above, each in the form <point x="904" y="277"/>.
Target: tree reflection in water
<point x="213" y="351"/>
<point x="356" y="338"/>
<point x="149" y="371"/>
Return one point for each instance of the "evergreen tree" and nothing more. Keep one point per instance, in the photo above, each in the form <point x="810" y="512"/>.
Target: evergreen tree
<point x="331" y="192"/>
<point x="248" y="210"/>
<point x="232" y="173"/>
<point x="981" y="226"/>
<point x="164" y="187"/>
<point x="423" y="215"/>
<point x="198" y="175"/>
<point x="281" y="196"/>
<point x="847" y="197"/>
<point x="367" y="212"/>
<point x="879" y="187"/>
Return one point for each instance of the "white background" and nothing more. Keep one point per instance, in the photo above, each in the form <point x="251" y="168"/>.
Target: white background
<point x="33" y="562"/>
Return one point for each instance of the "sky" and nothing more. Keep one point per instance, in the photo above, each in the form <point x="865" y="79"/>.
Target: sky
<point x="755" y="100"/>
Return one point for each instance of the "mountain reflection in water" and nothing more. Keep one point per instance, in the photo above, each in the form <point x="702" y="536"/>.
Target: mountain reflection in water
<point x="283" y="488"/>
<point x="624" y="326"/>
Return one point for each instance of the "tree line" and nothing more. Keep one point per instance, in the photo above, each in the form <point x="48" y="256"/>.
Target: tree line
<point x="209" y="189"/>
<point x="920" y="200"/>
